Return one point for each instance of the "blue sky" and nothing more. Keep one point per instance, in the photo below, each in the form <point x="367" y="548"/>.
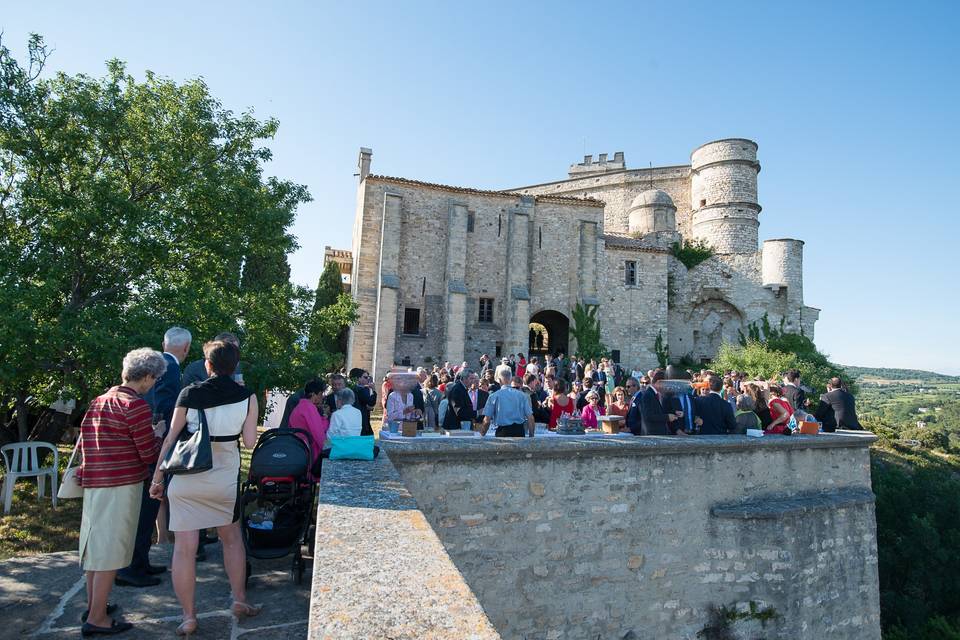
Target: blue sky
<point x="854" y="106"/>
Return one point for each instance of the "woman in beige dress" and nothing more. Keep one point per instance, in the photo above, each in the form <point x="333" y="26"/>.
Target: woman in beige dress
<point x="211" y="498"/>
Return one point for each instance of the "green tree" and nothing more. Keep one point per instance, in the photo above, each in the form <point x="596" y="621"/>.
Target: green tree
<point x="329" y="293"/>
<point x="662" y="350"/>
<point x="128" y="206"/>
<point x="586" y="331"/>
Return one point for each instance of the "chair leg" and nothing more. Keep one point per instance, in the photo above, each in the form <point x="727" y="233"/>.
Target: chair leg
<point x="53" y="486"/>
<point x="41" y="486"/>
<point x="8" y="493"/>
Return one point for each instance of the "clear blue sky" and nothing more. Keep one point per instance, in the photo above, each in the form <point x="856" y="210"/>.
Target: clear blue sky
<point x="854" y="106"/>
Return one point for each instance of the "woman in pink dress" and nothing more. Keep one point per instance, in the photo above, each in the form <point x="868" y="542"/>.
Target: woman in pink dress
<point x="306" y="415"/>
<point x="592" y="411"/>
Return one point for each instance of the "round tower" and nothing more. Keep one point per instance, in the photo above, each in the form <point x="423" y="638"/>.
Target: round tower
<point x="652" y="211"/>
<point x="723" y="195"/>
<point x="782" y="267"/>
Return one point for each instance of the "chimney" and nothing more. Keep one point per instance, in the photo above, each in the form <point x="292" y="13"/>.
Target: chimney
<point x="587" y="159"/>
<point x="603" y="158"/>
<point x="363" y="163"/>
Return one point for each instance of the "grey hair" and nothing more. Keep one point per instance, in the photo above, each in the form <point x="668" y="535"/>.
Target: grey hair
<point x="177" y="337"/>
<point x="464" y="374"/>
<point x="745" y="403"/>
<point x="345" y="396"/>
<point x="505" y="376"/>
<point x="140" y="363"/>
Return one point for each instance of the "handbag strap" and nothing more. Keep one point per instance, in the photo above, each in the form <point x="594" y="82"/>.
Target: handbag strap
<point x="74" y="453"/>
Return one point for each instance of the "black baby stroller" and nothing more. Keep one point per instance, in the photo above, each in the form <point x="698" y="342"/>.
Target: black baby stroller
<point x="277" y="498"/>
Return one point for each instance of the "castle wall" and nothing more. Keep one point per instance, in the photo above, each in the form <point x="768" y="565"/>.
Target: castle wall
<point x="618" y="189"/>
<point x="648" y="537"/>
<point x="631" y="316"/>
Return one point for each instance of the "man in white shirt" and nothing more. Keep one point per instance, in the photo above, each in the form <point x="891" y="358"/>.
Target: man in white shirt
<point x="347" y="419"/>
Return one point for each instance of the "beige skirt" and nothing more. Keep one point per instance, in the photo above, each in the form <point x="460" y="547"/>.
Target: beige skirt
<point x="108" y="526"/>
<point x="208" y="499"/>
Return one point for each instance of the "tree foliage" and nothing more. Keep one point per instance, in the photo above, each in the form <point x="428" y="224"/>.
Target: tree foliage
<point x="691" y="252"/>
<point x="662" y="350"/>
<point x="815" y="368"/>
<point x="329" y="292"/>
<point x="586" y="331"/>
<point x="127" y="207"/>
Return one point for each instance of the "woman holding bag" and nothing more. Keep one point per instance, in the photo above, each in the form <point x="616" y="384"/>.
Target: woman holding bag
<point x="118" y="446"/>
<point x="210" y="498"/>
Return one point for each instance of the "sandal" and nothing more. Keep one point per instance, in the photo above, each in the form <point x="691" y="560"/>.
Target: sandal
<point x="188" y="627"/>
<point x="244" y="610"/>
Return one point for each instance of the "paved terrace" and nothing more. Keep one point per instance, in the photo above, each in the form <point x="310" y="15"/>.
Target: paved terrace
<point x="43" y="597"/>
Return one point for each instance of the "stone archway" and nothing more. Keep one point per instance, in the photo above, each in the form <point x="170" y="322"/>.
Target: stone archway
<point x="549" y="333"/>
<point x="714" y="322"/>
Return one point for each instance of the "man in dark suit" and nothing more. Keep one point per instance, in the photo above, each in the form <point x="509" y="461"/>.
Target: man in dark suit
<point x="715" y="412"/>
<point x="685" y="408"/>
<point x="843" y="404"/>
<point x="366" y="397"/>
<point x="459" y="407"/>
<point x="479" y="392"/>
<point x="162" y="398"/>
<point x="792" y="391"/>
<point x="647" y="415"/>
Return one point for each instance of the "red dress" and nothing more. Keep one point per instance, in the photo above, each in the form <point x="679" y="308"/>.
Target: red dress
<point x="556" y="410"/>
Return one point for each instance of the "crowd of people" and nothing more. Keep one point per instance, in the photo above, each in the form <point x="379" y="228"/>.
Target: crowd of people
<point x="667" y="401"/>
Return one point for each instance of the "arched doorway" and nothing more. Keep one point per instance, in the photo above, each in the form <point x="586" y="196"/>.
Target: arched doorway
<point x="549" y="333"/>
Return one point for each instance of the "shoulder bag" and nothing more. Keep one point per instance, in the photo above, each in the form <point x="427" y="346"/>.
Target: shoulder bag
<point x="69" y="487"/>
<point x="192" y="454"/>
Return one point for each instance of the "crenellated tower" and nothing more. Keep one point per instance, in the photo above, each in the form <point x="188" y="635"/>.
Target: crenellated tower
<point x="723" y="195"/>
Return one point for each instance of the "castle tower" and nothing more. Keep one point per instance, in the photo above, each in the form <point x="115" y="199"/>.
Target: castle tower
<point x="652" y="211"/>
<point x="723" y="195"/>
<point x="782" y="268"/>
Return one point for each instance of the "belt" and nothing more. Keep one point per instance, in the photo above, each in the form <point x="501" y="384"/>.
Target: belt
<point x="225" y="438"/>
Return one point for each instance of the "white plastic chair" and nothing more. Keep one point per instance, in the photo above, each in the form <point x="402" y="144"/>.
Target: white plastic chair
<point x="22" y="460"/>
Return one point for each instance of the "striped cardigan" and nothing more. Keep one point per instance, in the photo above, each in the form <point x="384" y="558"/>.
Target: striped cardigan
<point x="117" y="443"/>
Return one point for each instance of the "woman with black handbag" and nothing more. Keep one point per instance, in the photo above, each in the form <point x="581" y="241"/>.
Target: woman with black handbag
<point x="202" y="455"/>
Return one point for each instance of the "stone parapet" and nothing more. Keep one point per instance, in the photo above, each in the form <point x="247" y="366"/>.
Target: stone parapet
<point x="379" y="570"/>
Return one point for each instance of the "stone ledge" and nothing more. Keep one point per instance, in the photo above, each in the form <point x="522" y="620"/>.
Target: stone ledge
<point x="572" y="447"/>
<point x="778" y="507"/>
<point x="379" y="570"/>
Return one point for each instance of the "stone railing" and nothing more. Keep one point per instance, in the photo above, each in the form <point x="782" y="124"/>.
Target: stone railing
<point x="587" y="537"/>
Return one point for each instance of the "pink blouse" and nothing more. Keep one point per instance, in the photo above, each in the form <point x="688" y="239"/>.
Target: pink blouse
<point x="588" y="416"/>
<point x="305" y="416"/>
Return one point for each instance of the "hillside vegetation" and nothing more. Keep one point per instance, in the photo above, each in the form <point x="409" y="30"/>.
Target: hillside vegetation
<point x="916" y="478"/>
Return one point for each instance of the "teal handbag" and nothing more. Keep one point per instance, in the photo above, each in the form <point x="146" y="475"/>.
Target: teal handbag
<point x="351" y="447"/>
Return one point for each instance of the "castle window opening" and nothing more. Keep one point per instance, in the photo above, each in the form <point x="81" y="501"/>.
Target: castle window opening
<point x="630" y="273"/>
<point x="499" y="223"/>
<point x="485" y="313"/>
<point x="470" y="222"/>
<point x="411" y="321"/>
<point x="423" y="288"/>
<point x="540" y="234"/>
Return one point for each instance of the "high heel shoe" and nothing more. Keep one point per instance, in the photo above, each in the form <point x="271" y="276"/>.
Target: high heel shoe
<point x="187" y="628"/>
<point x="244" y="610"/>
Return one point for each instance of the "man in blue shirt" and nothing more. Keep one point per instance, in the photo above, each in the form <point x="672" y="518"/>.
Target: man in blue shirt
<point x="509" y="410"/>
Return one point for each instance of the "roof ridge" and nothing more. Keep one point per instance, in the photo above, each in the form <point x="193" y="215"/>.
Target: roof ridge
<point x="489" y="192"/>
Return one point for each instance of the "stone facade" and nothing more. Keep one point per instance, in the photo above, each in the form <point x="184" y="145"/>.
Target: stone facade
<point x="445" y="273"/>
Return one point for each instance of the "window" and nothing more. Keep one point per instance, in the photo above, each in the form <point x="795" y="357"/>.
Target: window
<point x="486" y="310"/>
<point x="411" y="321"/>
<point x="470" y="222"/>
<point x="498" y="350"/>
<point x="499" y="224"/>
<point x="630" y="273"/>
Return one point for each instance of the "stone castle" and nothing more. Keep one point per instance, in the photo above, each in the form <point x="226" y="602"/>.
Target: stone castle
<point x="445" y="273"/>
